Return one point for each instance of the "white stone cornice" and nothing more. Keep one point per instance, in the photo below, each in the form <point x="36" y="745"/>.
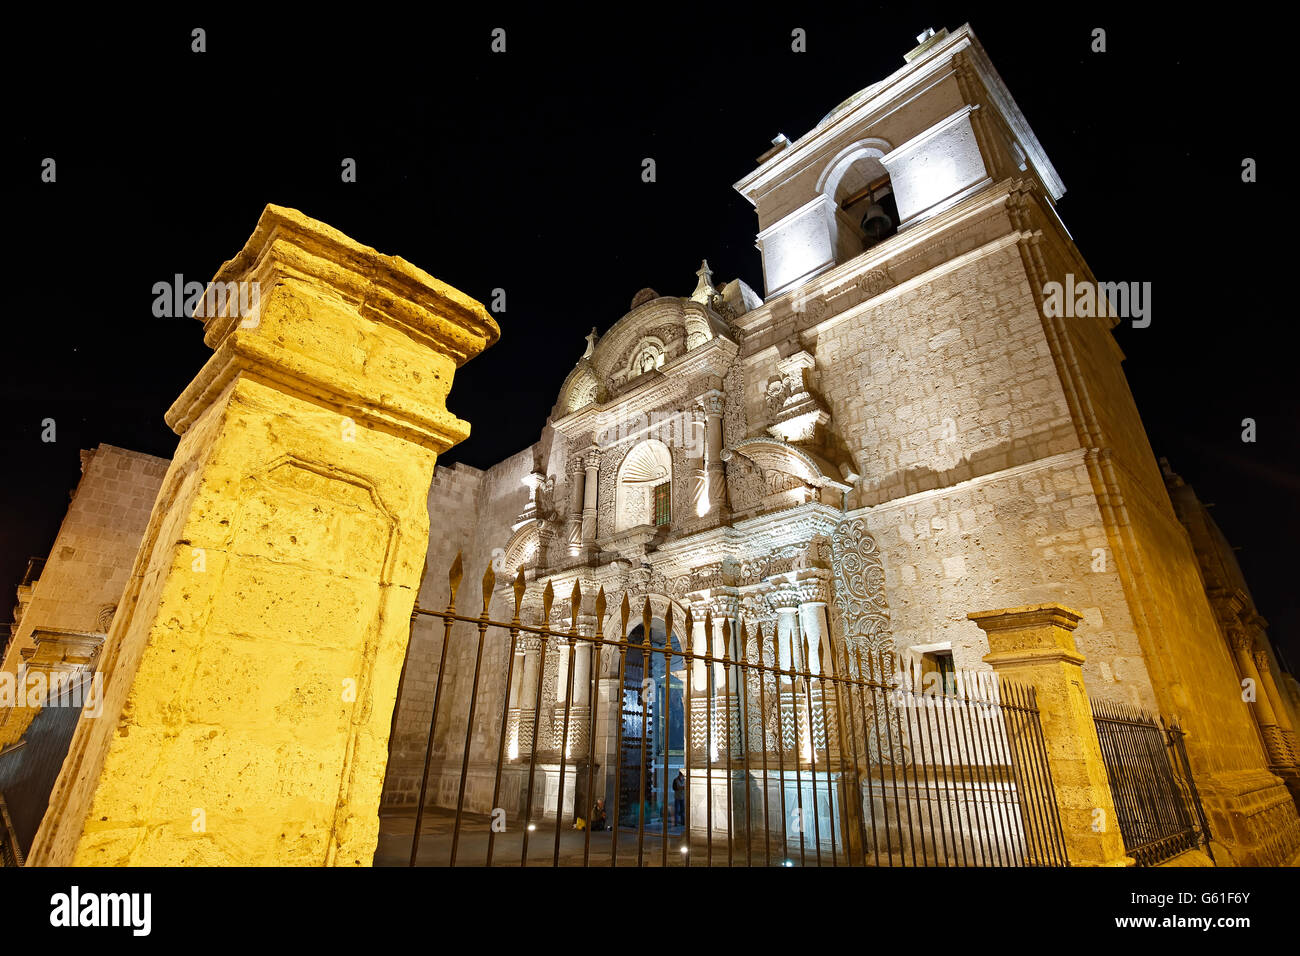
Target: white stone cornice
<point x="896" y="92"/>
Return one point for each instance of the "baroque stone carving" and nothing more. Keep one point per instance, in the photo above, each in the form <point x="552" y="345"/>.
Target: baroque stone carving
<point x="860" y="587"/>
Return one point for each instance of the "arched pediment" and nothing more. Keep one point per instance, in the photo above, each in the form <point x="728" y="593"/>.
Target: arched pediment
<point x="521" y="549"/>
<point x="582" y="387"/>
<point x="766" y="474"/>
<point x="649" y="337"/>
<point x="676" y="325"/>
<point x="771" y="454"/>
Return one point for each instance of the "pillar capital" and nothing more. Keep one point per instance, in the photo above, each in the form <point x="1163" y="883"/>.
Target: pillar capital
<point x="713" y="402"/>
<point x="1031" y="632"/>
<point x="783" y="598"/>
<point x="305" y="309"/>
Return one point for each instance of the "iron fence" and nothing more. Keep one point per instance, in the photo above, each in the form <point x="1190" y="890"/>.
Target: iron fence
<point x="11" y="851"/>
<point x="751" y="749"/>
<point x="1156" y="801"/>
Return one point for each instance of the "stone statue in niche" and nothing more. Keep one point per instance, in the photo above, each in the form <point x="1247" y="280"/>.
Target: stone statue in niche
<point x="776" y="395"/>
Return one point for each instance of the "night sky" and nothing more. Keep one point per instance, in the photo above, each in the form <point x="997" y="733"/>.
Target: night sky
<point x="522" y="172"/>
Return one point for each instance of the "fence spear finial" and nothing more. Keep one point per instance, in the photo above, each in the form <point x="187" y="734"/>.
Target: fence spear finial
<point x="489" y="583"/>
<point x="454" y="577"/>
<point x="520" y="587"/>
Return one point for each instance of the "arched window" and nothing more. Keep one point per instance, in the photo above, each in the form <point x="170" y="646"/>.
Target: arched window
<point x="646" y="468"/>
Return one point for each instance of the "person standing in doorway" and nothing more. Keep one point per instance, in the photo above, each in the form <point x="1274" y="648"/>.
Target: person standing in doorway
<point x="679" y="798"/>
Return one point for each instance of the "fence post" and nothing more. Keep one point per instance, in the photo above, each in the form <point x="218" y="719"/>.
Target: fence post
<point x="1034" y="645"/>
<point x="252" y="668"/>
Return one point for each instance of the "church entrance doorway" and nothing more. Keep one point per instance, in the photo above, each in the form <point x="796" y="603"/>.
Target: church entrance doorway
<point x="653" y="703"/>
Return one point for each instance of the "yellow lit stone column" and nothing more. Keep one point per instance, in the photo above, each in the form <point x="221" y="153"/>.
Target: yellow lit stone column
<point x="252" y="668"/>
<point x="1034" y="646"/>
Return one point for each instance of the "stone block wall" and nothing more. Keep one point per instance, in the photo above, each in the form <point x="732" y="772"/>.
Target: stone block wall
<point x="95" y="548"/>
<point x="470" y="511"/>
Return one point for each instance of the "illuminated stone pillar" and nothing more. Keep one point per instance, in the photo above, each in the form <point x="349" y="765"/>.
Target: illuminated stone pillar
<point x="785" y="602"/>
<point x="577" y="479"/>
<point x="1034" y="646"/>
<point x="816" y="631"/>
<point x="252" y="667"/>
<point x="726" y="679"/>
<point x="528" y="695"/>
<point x="700" y="699"/>
<point x="713" y="402"/>
<point x="591" y="462"/>
<point x="580" y="709"/>
<point x="1270" y="687"/>
<point x="512" y="702"/>
<point x="700" y="502"/>
<point x="1243" y="646"/>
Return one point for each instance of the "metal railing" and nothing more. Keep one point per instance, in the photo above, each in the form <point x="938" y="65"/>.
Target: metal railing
<point x="742" y="755"/>
<point x="1155" y="797"/>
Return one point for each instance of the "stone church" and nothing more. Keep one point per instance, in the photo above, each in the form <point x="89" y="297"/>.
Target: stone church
<point x="894" y="435"/>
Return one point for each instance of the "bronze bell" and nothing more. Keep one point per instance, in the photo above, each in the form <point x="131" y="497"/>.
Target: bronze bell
<point x="876" y="224"/>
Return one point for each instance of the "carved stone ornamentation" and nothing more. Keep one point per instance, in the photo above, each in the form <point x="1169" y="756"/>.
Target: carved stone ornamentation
<point x="860" y="587"/>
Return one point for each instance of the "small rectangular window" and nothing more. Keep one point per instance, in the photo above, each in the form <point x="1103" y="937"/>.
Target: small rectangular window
<point x="663" y="511"/>
<point x="939" y="663"/>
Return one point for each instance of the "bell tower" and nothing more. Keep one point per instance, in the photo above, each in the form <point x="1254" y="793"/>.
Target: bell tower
<point x="910" y="246"/>
<point x="890" y="157"/>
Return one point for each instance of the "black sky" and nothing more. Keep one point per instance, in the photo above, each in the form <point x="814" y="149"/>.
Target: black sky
<point x="522" y="171"/>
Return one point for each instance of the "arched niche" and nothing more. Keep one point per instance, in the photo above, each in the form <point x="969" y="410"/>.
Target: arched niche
<point x="648" y="355"/>
<point x="646" y="466"/>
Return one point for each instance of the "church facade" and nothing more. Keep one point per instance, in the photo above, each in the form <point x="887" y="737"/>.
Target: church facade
<point x="898" y="434"/>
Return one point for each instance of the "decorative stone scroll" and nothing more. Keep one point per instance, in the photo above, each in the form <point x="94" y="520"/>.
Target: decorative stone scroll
<point x="860" y="588"/>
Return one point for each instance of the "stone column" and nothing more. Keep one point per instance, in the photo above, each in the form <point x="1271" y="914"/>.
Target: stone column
<point x="1034" y="646"/>
<point x="812" y="618"/>
<point x="713" y="402"/>
<point x="785" y="602"/>
<point x="699" y="702"/>
<point x="1284" y="727"/>
<point x="577" y="498"/>
<point x="700" y="502"/>
<point x="516" y="689"/>
<point x="591" y="462"/>
<point x="1243" y="646"/>
<point x="251" y="670"/>
<point x="580" y="709"/>
<point x="726" y="686"/>
<point x="528" y="696"/>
